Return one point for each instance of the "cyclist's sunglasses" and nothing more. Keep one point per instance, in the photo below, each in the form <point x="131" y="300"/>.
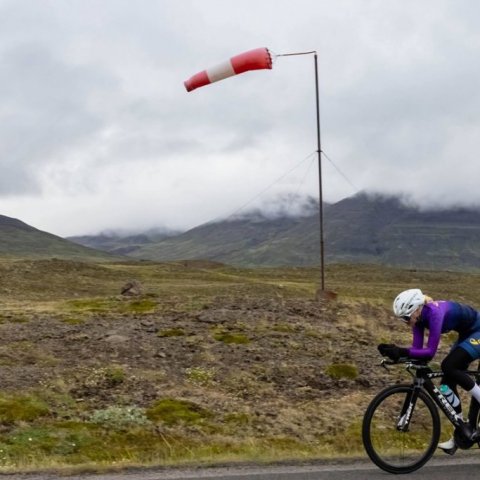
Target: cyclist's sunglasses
<point x="405" y="318"/>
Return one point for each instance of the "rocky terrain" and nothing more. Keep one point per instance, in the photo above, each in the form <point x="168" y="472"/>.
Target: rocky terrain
<point x="205" y="363"/>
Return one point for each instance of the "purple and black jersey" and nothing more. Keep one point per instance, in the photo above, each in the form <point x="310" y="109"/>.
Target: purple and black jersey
<point x="441" y="317"/>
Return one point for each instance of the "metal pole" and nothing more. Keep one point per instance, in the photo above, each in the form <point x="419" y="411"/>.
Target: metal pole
<point x="320" y="189"/>
<point x="319" y="152"/>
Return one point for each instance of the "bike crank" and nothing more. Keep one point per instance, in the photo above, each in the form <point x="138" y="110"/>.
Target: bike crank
<point x="461" y="439"/>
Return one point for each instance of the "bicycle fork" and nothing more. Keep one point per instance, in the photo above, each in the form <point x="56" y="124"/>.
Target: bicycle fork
<point x="409" y="403"/>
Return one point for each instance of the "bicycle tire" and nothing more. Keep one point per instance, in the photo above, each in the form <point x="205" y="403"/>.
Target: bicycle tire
<point x="396" y="451"/>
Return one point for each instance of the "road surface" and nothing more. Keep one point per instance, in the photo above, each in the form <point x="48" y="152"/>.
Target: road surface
<point x="460" y="467"/>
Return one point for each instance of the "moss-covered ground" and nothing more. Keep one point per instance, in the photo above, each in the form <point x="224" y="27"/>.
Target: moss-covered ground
<point x="208" y="364"/>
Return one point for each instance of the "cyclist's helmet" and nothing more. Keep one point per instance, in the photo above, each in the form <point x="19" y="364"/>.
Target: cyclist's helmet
<point x="407" y="302"/>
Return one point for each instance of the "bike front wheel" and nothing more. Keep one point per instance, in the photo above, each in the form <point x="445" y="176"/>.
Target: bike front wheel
<point x="397" y="449"/>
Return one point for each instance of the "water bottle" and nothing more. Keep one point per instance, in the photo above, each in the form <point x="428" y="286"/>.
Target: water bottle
<point x="447" y="392"/>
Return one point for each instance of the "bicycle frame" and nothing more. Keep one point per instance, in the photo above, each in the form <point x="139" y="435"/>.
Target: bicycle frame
<point x="401" y="427"/>
<point x="423" y="379"/>
<point x="426" y="376"/>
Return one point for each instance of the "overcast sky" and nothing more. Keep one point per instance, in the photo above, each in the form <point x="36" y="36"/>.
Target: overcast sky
<point x="98" y="132"/>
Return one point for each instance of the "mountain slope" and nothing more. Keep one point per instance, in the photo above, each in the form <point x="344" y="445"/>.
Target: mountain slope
<point x="17" y="239"/>
<point x="119" y="244"/>
<point x="386" y="230"/>
<point x="363" y="228"/>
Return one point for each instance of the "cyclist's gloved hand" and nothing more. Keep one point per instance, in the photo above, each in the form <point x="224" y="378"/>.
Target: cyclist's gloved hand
<point x="390" y="350"/>
<point x="383" y="348"/>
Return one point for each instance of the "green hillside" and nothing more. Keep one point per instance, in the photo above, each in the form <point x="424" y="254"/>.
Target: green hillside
<point x="360" y="229"/>
<point x="17" y="239"/>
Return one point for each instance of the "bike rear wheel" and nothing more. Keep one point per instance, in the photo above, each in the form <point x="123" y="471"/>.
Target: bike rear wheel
<point x="391" y="449"/>
<point x="474" y="410"/>
<point x="474" y="414"/>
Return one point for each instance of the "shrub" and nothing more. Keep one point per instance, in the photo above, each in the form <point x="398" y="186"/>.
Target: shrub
<point x="172" y="332"/>
<point x="172" y="411"/>
<point x="200" y="375"/>
<point x="141" y="306"/>
<point x="231" y="338"/>
<point x="342" y="370"/>
<point x="105" y="377"/>
<point x="114" y="376"/>
<point x="21" y="408"/>
<point x="120" y="417"/>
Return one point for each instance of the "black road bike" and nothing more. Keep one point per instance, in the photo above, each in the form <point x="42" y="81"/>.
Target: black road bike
<point x="401" y="426"/>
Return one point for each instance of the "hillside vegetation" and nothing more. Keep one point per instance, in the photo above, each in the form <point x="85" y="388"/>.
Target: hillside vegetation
<point x="17" y="239"/>
<point x="209" y="364"/>
<point x="360" y="229"/>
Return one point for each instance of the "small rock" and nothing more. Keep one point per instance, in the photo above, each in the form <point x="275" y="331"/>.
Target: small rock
<point x="133" y="288"/>
<point x="116" y="339"/>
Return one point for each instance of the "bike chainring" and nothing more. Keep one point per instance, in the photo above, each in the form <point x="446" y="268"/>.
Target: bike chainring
<point x="461" y="441"/>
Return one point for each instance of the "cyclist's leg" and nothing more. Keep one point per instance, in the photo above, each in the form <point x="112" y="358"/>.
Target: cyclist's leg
<point x="472" y="345"/>
<point x="453" y="367"/>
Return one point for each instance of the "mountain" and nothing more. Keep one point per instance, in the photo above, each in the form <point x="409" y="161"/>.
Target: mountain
<point x="17" y="239"/>
<point x="384" y="230"/>
<point x="364" y="228"/>
<point x="360" y="229"/>
<point x="121" y="244"/>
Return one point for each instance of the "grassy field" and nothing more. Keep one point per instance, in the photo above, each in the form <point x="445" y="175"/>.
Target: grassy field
<point x="208" y="364"/>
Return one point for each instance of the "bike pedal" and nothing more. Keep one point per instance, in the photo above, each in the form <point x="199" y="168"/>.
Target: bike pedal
<point x="449" y="451"/>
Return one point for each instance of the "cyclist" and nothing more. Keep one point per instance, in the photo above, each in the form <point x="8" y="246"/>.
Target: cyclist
<point x="421" y="312"/>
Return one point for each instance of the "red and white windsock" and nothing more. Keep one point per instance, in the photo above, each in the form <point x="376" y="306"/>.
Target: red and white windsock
<point x="257" y="59"/>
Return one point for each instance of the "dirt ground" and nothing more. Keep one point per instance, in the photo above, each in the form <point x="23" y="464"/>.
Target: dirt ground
<point x="253" y="344"/>
<point x="273" y="349"/>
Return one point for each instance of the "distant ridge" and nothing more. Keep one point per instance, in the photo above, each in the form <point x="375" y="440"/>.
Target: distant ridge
<point x="119" y="244"/>
<point x="14" y="223"/>
<point x="365" y="228"/>
<point x="18" y="239"/>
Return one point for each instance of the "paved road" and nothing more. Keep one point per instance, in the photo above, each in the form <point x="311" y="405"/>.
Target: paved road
<point x="460" y="467"/>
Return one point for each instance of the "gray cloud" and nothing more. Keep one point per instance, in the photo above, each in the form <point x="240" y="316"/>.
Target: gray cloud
<point x="98" y="131"/>
<point x="46" y="112"/>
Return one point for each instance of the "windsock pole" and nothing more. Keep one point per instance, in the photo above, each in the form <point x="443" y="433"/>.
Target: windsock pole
<point x="258" y="59"/>
<point x="319" y="153"/>
<point x="320" y="188"/>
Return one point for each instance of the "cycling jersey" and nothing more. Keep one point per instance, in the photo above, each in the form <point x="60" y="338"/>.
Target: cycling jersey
<point x="441" y="317"/>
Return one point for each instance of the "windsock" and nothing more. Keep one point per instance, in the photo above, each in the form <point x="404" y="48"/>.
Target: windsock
<point x="257" y="59"/>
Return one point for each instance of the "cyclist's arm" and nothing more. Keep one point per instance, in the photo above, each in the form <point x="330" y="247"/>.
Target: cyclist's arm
<point x="418" y="334"/>
<point x="417" y="350"/>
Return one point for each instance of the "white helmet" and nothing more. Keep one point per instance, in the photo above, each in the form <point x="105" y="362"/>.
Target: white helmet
<point x="407" y="302"/>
